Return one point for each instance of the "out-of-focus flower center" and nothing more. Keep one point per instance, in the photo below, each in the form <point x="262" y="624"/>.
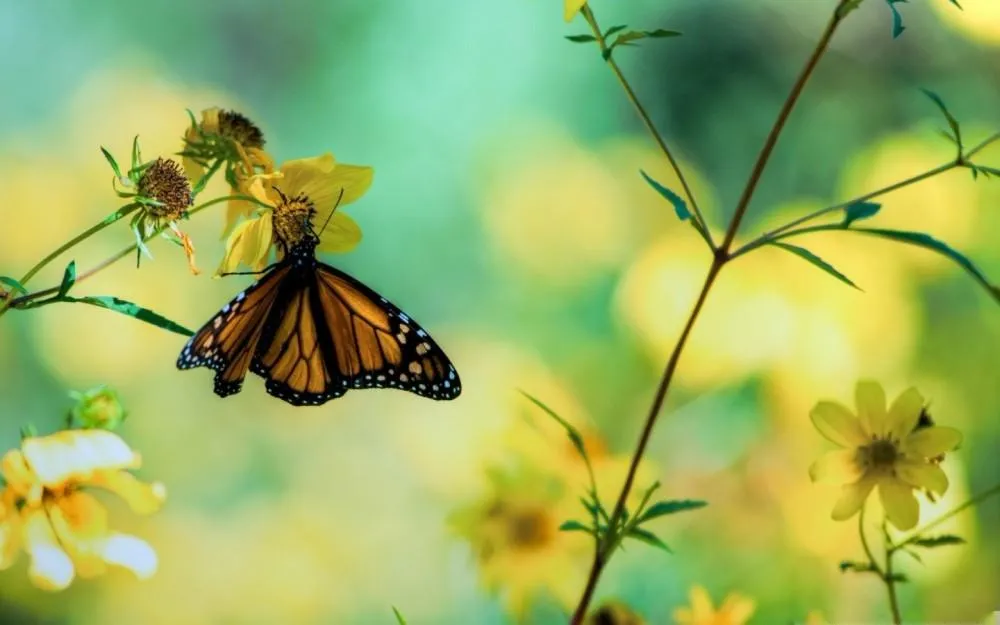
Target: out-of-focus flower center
<point x="529" y="529"/>
<point x="879" y="454"/>
<point x="239" y="128"/>
<point x="165" y="182"/>
<point x="293" y="219"/>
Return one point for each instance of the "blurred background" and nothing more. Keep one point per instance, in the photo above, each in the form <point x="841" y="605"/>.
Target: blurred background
<point x="508" y="216"/>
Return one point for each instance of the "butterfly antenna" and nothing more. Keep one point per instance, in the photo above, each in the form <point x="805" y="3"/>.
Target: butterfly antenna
<point x="334" y="210"/>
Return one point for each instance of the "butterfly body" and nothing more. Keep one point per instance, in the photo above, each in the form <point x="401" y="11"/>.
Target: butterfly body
<point x="313" y="333"/>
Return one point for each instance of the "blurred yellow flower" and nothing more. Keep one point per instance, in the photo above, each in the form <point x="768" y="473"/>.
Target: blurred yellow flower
<point x="883" y="448"/>
<point x="980" y="21"/>
<point x="303" y="189"/>
<point x="735" y="610"/>
<point x="64" y="529"/>
<point x="815" y="618"/>
<point x="229" y="137"/>
<point x="614" y="613"/>
<point x="572" y="7"/>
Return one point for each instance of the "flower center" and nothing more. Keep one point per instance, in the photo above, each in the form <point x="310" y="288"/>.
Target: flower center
<point x="239" y="128"/>
<point x="880" y="454"/>
<point x="165" y="182"/>
<point x="529" y="529"/>
<point x="293" y="219"/>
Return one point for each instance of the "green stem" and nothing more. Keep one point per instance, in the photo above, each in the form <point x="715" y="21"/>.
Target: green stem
<point x="699" y="220"/>
<point x="890" y="581"/>
<point x="864" y="543"/>
<point x="917" y="534"/>
<point x="773" y="235"/>
<point x="15" y="302"/>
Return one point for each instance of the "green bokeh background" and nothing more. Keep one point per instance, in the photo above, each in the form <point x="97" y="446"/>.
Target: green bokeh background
<point x="332" y="515"/>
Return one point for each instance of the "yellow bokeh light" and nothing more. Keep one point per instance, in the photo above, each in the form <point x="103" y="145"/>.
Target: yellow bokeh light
<point x="978" y="19"/>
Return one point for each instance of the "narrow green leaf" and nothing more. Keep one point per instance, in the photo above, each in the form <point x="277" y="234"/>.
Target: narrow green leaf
<point x="938" y="541"/>
<point x="926" y="241"/>
<point x="857" y="567"/>
<point x="955" y="2"/>
<point x="571" y="431"/>
<point x="661" y="33"/>
<point x="680" y="206"/>
<point x="112" y="162"/>
<point x="805" y="254"/>
<point x="984" y="170"/>
<point x="399" y="617"/>
<point x="575" y="526"/>
<point x="136" y="154"/>
<point x="649" y="538"/>
<point x="858" y="211"/>
<point x="69" y="279"/>
<point x="121" y="212"/>
<point x="581" y="38"/>
<point x="899" y="578"/>
<point x="614" y="29"/>
<point x="897" y="19"/>
<point x="952" y="122"/>
<point x="14" y="284"/>
<point x="663" y="508"/>
<point x="914" y="555"/>
<point x="130" y="309"/>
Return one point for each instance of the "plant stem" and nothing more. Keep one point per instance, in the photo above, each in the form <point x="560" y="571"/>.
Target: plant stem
<point x="774" y="234"/>
<point x="15" y="302"/>
<point x="602" y="555"/>
<point x="864" y="543"/>
<point x="986" y="494"/>
<point x="699" y="222"/>
<point x="890" y="581"/>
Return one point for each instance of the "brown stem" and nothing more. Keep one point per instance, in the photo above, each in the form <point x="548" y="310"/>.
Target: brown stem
<point x="779" y="124"/>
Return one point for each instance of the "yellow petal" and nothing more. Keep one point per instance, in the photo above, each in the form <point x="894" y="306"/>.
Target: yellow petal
<point x="869" y="397"/>
<point x="852" y="497"/>
<point x="210" y="120"/>
<point x="58" y="457"/>
<point x="143" y="498"/>
<point x="327" y="184"/>
<point x="355" y="180"/>
<point x="235" y="209"/>
<point x="701" y="604"/>
<point x="684" y="616"/>
<point x="342" y="234"/>
<point x="260" y="158"/>
<point x="10" y="536"/>
<point x="51" y="568"/>
<point x="572" y="7"/>
<point x="904" y="414"/>
<point x="836" y="467"/>
<point x="77" y="519"/>
<point x="932" y="441"/>
<point x="922" y="475"/>
<point x="127" y="552"/>
<point x="736" y="610"/>
<point x="248" y="244"/>
<point x="19" y="477"/>
<point x="901" y="508"/>
<point x="837" y="424"/>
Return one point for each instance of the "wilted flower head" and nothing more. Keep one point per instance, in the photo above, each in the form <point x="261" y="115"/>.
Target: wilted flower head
<point x="164" y="194"/>
<point x="97" y="408"/>
<point x="302" y="190"/>
<point x="884" y="448"/>
<point x="46" y="509"/>
<point x="735" y="610"/>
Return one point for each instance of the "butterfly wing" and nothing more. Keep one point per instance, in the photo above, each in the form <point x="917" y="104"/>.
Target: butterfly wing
<point x="226" y="343"/>
<point x="337" y="334"/>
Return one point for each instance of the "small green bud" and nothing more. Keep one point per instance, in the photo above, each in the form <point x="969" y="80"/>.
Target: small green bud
<point x="97" y="408"/>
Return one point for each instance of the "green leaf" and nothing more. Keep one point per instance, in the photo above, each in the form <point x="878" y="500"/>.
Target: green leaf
<point x="847" y="7"/>
<point x="680" y="206"/>
<point x="69" y="279"/>
<point x="938" y="541"/>
<point x="805" y="254"/>
<point x="952" y="122"/>
<point x="857" y="567"/>
<point x="112" y="162"/>
<point x="629" y="37"/>
<point x="858" y="211"/>
<point x="984" y="170"/>
<point x="899" y="578"/>
<point x="661" y="33"/>
<point x="955" y="2"/>
<point x="399" y="617"/>
<point x="571" y="431"/>
<point x="136" y="154"/>
<point x="614" y="29"/>
<point x="575" y="526"/>
<point x="121" y="212"/>
<point x="914" y="555"/>
<point x="897" y="19"/>
<point x="581" y="38"/>
<point x="14" y="284"/>
<point x="130" y="309"/>
<point x="663" y="508"/>
<point x="926" y="241"/>
<point x="649" y="538"/>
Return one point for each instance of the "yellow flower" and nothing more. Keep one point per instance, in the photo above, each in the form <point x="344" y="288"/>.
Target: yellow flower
<point x="884" y="448"/>
<point x="232" y="138"/>
<point x="735" y="610"/>
<point x="46" y="509"/>
<point x="572" y="7"/>
<point x="303" y="190"/>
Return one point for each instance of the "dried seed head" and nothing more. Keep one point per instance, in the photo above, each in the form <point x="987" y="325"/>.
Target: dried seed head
<point x="165" y="182"/>
<point x="239" y="128"/>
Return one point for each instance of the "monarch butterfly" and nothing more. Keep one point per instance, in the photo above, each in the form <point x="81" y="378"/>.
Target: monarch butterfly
<point x="313" y="333"/>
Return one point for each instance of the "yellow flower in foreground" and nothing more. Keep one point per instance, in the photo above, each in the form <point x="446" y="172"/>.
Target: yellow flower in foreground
<point x="884" y="448"/>
<point x="232" y="138"/>
<point x="572" y="7"/>
<point x="735" y="610"/>
<point x="304" y="194"/>
<point x="46" y="509"/>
